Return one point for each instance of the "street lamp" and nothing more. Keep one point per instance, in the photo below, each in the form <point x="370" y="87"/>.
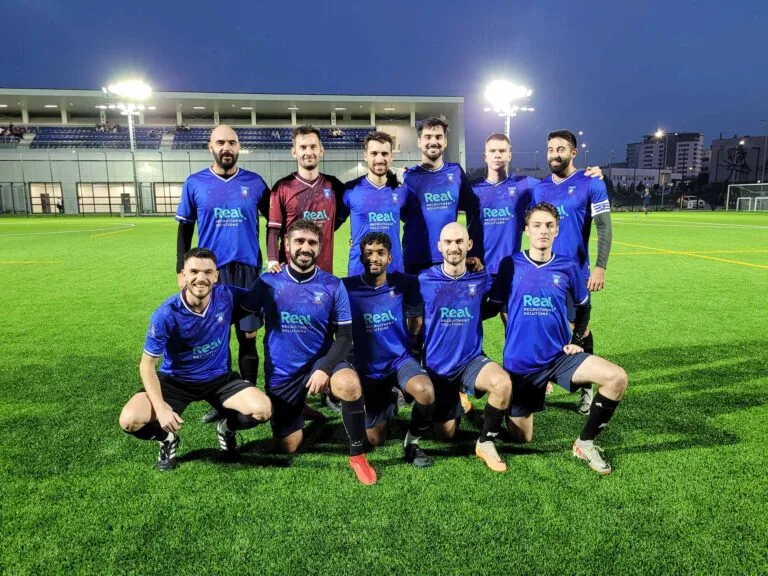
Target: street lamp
<point x="659" y="134"/>
<point x="765" y="151"/>
<point x="586" y="151"/>
<point x="133" y="93"/>
<point x="503" y="95"/>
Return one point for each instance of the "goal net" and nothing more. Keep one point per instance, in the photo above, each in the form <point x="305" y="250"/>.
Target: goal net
<point x="747" y="198"/>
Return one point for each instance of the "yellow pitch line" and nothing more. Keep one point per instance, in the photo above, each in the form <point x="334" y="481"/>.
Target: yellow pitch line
<point x="114" y="232"/>
<point x="31" y="261"/>
<point x="693" y="255"/>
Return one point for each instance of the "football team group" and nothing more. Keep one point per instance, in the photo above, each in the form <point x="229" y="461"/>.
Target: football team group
<point x="406" y="323"/>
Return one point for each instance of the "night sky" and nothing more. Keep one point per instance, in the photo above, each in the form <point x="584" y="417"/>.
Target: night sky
<point x="614" y="69"/>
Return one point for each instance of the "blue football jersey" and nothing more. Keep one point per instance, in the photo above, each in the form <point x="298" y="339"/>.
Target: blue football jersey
<point x="502" y="214"/>
<point x="453" y="326"/>
<point x="373" y="209"/>
<point x="379" y="322"/>
<point x="226" y="213"/>
<point x="534" y="296"/>
<point x="299" y="320"/>
<point x="578" y="199"/>
<point x="434" y="198"/>
<point x="194" y="347"/>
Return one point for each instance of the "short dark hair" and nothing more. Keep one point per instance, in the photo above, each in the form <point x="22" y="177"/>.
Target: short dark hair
<point x="304" y="130"/>
<point x="433" y="122"/>
<point x="376" y="238"/>
<point x="497" y="136"/>
<point x="565" y="135"/>
<point x="305" y="226"/>
<point x="202" y="253"/>
<point x="378" y="136"/>
<point x="542" y="207"/>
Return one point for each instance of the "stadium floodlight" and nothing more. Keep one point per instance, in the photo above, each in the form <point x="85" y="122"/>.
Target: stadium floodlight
<point x="503" y="95"/>
<point x="129" y="90"/>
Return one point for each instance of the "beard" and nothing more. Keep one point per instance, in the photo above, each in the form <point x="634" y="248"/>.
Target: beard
<point x="561" y="168"/>
<point x="226" y="161"/>
<point x="302" y="265"/>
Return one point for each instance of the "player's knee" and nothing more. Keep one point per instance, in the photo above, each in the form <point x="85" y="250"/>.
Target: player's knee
<point x="422" y="391"/>
<point x="290" y="444"/>
<point x="347" y="386"/>
<point x="500" y="385"/>
<point x="619" y="380"/>
<point x="375" y="437"/>
<point x="262" y="410"/>
<point x="445" y="432"/>
<point x="130" y="420"/>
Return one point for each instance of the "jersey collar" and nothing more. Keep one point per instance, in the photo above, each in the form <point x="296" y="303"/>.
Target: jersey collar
<point x="565" y="179"/>
<point x="200" y="314"/>
<point x="288" y="273"/>
<point x="452" y="277"/>
<point x="539" y="264"/>
<point x="222" y="177"/>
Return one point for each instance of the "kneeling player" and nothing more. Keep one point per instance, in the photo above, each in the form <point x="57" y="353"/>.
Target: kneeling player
<point x="303" y="306"/>
<point x="533" y="287"/>
<point x="191" y="332"/>
<point x="386" y="310"/>
<point x="454" y="300"/>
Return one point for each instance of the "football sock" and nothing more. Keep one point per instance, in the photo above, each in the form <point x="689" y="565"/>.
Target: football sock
<point x="353" y="416"/>
<point x="599" y="414"/>
<point x="237" y="421"/>
<point x="492" y="418"/>
<point x="151" y="431"/>
<point x="421" y="420"/>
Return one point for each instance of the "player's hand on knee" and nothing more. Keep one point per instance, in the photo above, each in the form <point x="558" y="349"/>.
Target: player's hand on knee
<point x="168" y="419"/>
<point x="318" y="382"/>
<point x="571" y="349"/>
<point x="273" y="267"/>
<point x="596" y="280"/>
<point x="474" y="264"/>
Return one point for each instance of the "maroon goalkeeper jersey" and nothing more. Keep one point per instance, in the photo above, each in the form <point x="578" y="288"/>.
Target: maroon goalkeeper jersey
<point x="294" y="198"/>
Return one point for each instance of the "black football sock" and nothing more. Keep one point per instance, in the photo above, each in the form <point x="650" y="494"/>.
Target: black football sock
<point x="492" y="419"/>
<point x="150" y="431"/>
<point x="421" y="419"/>
<point x="237" y="421"/>
<point x="353" y="416"/>
<point x="600" y="413"/>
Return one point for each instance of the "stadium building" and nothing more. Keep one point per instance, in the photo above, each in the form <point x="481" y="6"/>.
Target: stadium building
<point x="72" y="149"/>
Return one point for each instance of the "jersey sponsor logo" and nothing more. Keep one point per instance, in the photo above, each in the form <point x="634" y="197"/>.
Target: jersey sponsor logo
<point x="244" y="191"/>
<point x="379" y="318"/>
<point x="454" y="313"/>
<point x="538" y="301"/>
<point x="438" y="197"/>
<point x="206" y="349"/>
<point x="289" y="318"/>
<point x="327" y="192"/>
<point x="381" y="217"/>
<point x="497" y="212"/>
<point x="562" y="211"/>
<point x="222" y="213"/>
<point x="320" y="215"/>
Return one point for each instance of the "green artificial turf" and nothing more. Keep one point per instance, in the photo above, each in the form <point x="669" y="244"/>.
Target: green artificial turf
<point x="684" y="311"/>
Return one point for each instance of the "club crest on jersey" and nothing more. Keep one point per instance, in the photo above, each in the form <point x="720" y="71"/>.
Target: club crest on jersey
<point x="472" y="289"/>
<point x="394" y="197"/>
<point x="392" y="293"/>
<point x="512" y="190"/>
<point x="318" y="297"/>
<point x="327" y="192"/>
<point x="450" y="177"/>
<point x="556" y="279"/>
<point x="220" y="317"/>
<point x="244" y="191"/>
<point x="571" y="189"/>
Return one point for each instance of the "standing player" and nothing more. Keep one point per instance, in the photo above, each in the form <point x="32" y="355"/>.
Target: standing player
<point x="454" y="301"/>
<point x="304" y="195"/>
<point x="436" y="191"/>
<point x="190" y="331"/>
<point x="646" y="201"/>
<point x="224" y="201"/>
<point x="374" y="202"/>
<point x="303" y="307"/>
<point x="386" y="312"/>
<point x="579" y="200"/>
<point x="532" y="287"/>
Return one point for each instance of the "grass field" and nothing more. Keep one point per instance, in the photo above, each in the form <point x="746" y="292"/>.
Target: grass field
<point x="685" y="312"/>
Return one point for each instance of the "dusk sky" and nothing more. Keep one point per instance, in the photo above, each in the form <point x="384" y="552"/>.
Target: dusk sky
<point x="615" y="70"/>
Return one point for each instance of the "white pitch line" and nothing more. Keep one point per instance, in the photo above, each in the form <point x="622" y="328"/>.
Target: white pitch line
<point x="688" y="224"/>
<point x="70" y="231"/>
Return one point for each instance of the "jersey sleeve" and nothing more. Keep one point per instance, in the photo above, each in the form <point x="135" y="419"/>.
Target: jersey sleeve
<point x="598" y="197"/>
<point x="158" y="333"/>
<point x="252" y="300"/>
<point x="264" y="200"/>
<point x="578" y="286"/>
<point x="414" y="304"/>
<point x="186" y="210"/>
<point x="342" y="207"/>
<point x="341" y="312"/>
<point x="501" y="284"/>
<point x="276" y="212"/>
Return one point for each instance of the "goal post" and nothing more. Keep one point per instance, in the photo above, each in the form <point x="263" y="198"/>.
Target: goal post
<point x="747" y="198"/>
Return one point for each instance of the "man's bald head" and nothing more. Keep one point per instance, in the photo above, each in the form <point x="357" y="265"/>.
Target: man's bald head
<point x="225" y="147"/>
<point x="454" y="243"/>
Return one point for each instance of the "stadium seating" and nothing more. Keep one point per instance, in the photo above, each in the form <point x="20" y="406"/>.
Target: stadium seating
<point x="270" y="138"/>
<point x="87" y="137"/>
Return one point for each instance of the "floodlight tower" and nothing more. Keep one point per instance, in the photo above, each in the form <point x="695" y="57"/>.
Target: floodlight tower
<point x="504" y="97"/>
